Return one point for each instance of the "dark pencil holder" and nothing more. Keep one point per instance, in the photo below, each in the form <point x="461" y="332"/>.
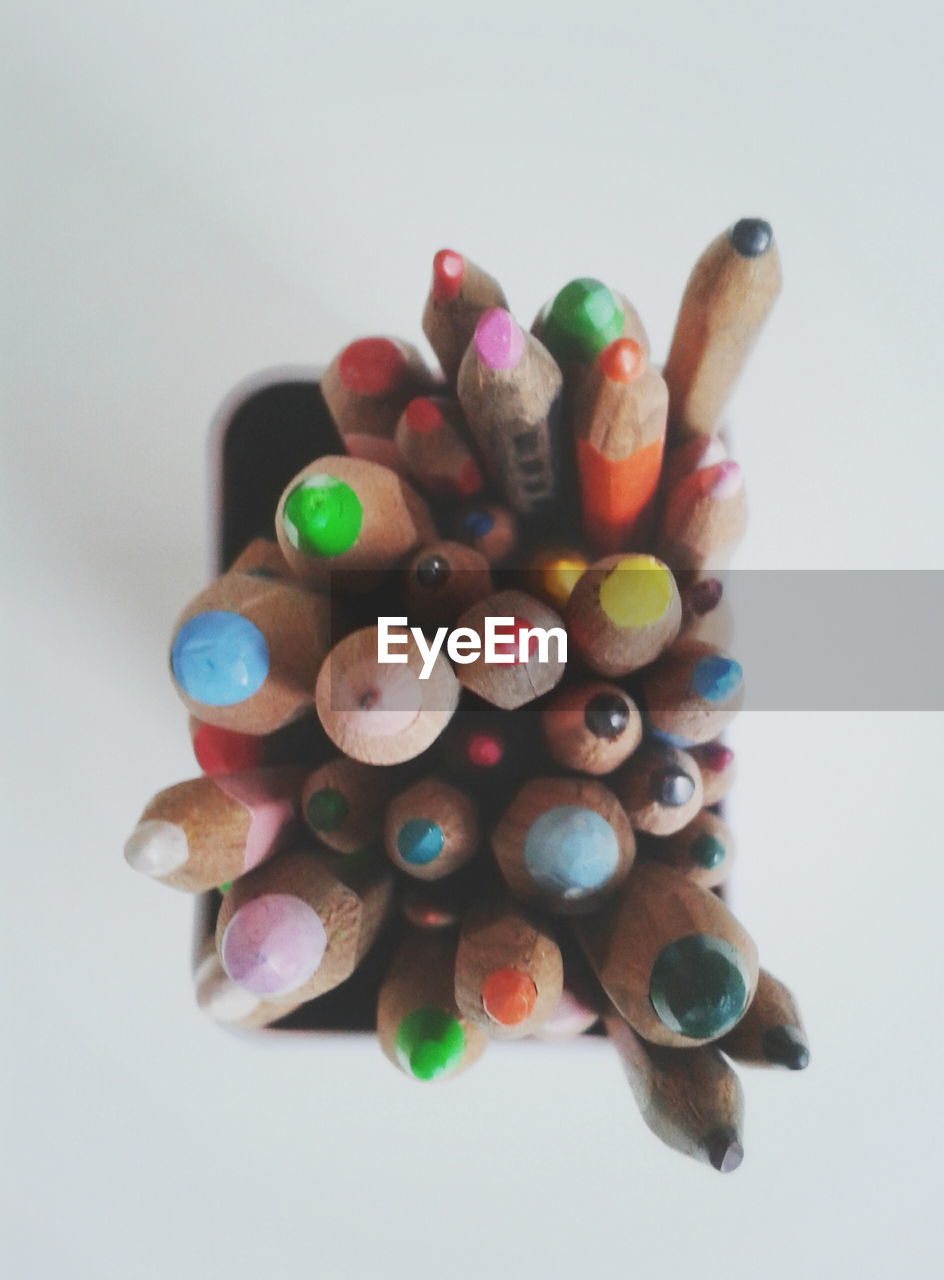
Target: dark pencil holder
<point x="267" y="429"/>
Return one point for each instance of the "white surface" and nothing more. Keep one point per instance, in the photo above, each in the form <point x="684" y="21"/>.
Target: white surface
<point x="200" y="190"/>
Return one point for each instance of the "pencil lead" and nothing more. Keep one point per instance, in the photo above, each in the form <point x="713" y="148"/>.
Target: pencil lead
<point x="372" y="366"/>
<point x="423" y="415"/>
<point x="725" y="1152"/>
<point x="723" y="480"/>
<point x="484" y="750"/>
<point x="606" y="715"/>
<point x="705" y="596"/>
<point x="156" y="848"/>
<point x="785" y="1047"/>
<point x="430" y="1042"/>
<point x="509" y="996"/>
<point x="752" y="237"/>
<point x="623" y="360"/>
<point x="448" y="270"/>
<point x="499" y="341"/>
<point x="672" y="786"/>
<point x="433" y="571"/>
<point x="716" y="677"/>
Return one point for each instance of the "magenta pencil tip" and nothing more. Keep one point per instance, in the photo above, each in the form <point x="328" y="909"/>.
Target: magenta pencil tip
<point x="499" y="342"/>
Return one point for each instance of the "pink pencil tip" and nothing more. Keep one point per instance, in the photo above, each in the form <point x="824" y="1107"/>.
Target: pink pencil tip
<point x="499" y="342"/>
<point x="725" y="479"/>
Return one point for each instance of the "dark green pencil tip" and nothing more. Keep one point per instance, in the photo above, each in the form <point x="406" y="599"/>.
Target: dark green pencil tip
<point x="725" y="1152"/>
<point x="785" y="1047"/>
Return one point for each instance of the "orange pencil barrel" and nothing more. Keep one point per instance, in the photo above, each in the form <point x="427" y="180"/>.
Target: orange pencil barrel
<point x="620" y="412"/>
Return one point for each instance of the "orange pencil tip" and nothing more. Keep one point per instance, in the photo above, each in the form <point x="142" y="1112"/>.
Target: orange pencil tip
<point x="508" y="996"/>
<point x="622" y="361"/>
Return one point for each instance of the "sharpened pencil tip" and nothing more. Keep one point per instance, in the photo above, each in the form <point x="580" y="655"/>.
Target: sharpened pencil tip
<point x="752" y="237"/>
<point x="448" y="271"/>
<point x="785" y="1047"/>
<point x="725" y="1152"/>
<point x="156" y="848"/>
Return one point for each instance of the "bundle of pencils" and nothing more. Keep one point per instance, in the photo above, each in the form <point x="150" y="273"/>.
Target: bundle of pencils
<point x="525" y="840"/>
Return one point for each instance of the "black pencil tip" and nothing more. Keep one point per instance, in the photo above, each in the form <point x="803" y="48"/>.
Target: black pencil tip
<point x="752" y="237"/>
<point x="725" y="1152"/>
<point x="785" y="1047"/>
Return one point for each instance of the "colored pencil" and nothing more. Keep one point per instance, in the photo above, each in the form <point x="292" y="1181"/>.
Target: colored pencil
<point x="432" y="904"/>
<point x="676" y="964"/>
<point x="488" y="751"/>
<point x="692" y="693"/>
<point x="488" y="528"/>
<point x="383" y="713"/>
<point x="591" y="727"/>
<point x="203" y="833"/>
<point x="715" y="763"/>
<point x="704" y="518"/>
<point x="532" y="484"/>
<point x="584" y="317"/>
<point x="220" y="998"/>
<point x="706" y="614"/>
<point x="517" y="682"/>
<point x="442" y="579"/>
<point x="564" y="844"/>
<point x="691" y="455"/>
<point x="261" y="558"/>
<point x="552" y="574"/>
<point x="572" y="1016"/>
<point x="343" y="802"/>
<point x="660" y="788"/>
<point x="729" y="294"/>
<point x="419" y="1026"/>
<point x="691" y="1099"/>
<point x="460" y="292"/>
<point x="431" y="442"/>
<point x="703" y="850"/>
<point x="771" y="1032"/>
<point x="225" y="751"/>
<point x="623" y="612"/>
<point x="300" y="923"/>
<point x="352" y="516"/>
<point x="509" y="972"/>
<point x="301" y="742"/>
<point x="431" y="829"/>
<point x="509" y="388"/>
<point x="246" y="650"/>
<point x="619" y="416"/>
<point x="366" y="387"/>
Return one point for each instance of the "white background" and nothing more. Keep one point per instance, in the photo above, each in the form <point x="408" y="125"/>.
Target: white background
<point x="197" y="190"/>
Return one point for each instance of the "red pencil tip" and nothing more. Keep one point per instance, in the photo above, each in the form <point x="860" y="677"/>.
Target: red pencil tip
<point x="716" y="756"/>
<point x="448" y="270"/>
<point x="484" y="750"/>
<point x="469" y="480"/>
<point x="224" y="751"/>
<point x="423" y="415"/>
<point x="622" y="361"/>
<point x="372" y="366"/>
